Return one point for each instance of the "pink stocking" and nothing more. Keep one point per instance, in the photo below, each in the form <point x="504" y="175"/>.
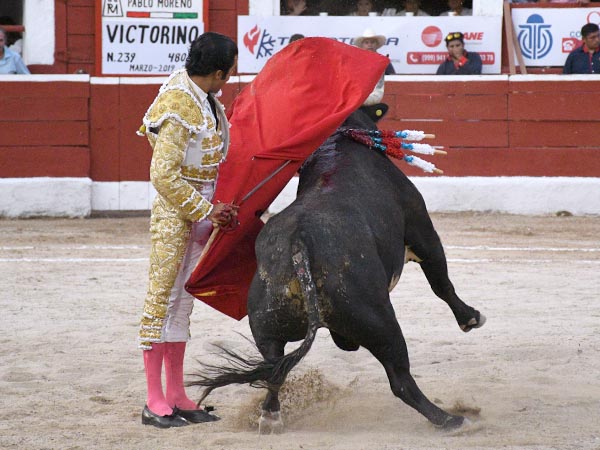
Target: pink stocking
<point x="176" y="395"/>
<point x="153" y="365"/>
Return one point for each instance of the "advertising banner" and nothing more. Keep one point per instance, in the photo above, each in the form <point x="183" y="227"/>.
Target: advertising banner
<point x="415" y="45"/>
<point x="547" y="35"/>
<point x="147" y="37"/>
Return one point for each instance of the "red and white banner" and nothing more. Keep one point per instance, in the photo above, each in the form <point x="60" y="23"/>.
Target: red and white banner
<point x="415" y="45"/>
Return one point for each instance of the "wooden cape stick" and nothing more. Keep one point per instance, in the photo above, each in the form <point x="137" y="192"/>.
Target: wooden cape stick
<point x="211" y="239"/>
<point x="216" y="228"/>
<point x="512" y="43"/>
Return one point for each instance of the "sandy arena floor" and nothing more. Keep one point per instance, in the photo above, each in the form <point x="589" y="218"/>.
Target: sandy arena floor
<point x="71" y="376"/>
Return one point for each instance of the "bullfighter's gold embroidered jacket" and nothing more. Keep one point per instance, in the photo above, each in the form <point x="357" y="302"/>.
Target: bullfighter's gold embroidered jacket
<point x="188" y="147"/>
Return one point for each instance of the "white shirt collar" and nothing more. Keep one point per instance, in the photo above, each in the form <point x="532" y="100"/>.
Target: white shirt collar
<point x="203" y="96"/>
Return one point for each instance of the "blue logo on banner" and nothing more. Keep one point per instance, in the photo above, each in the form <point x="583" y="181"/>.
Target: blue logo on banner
<point x="266" y="45"/>
<point x="535" y="38"/>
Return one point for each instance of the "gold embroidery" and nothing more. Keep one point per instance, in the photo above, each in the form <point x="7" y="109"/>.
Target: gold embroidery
<point x="179" y="202"/>
<point x="200" y="174"/>
<point x="210" y="123"/>
<point x="177" y="102"/>
<point x="211" y="142"/>
<point x="169" y="238"/>
<point x="212" y="158"/>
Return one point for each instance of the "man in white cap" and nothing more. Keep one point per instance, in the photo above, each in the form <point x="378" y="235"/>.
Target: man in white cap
<point x="371" y="42"/>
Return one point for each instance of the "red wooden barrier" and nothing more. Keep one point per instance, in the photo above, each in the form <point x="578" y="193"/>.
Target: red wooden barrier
<point x="495" y="128"/>
<point x="105" y="145"/>
<point x="135" y="152"/>
<point x="45" y="129"/>
<point x="510" y="162"/>
<point x="454" y="133"/>
<point x="44" y="161"/>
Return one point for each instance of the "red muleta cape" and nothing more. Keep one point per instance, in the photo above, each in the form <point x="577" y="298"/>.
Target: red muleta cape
<point x="302" y="95"/>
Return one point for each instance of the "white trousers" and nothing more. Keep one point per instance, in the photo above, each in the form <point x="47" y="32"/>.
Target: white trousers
<point x="176" y="327"/>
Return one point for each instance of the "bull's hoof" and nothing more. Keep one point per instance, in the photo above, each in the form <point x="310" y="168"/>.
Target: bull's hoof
<point x="270" y="423"/>
<point x="467" y="427"/>
<point x="473" y="323"/>
<point x="453" y="423"/>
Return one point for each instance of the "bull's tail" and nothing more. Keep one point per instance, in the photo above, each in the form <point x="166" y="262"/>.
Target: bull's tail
<point x="260" y="373"/>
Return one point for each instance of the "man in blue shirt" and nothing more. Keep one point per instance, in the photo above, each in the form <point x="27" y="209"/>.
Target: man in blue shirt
<point x="585" y="59"/>
<point x="10" y="62"/>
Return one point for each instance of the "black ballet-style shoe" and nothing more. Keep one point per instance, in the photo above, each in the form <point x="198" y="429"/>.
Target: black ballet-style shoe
<point x="172" y="420"/>
<point x="196" y="415"/>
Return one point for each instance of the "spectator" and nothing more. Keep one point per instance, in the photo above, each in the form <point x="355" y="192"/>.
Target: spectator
<point x="14" y="40"/>
<point x="390" y="9"/>
<point x="412" y="7"/>
<point x="372" y="42"/>
<point x="459" y="61"/>
<point x="363" y="8"/>
<point x="295" y="37"/>
<point x="299" y="8"/>
<point x="10" y="62"/>
<point x="586" y="58"/>
<point x="457" y="9"/>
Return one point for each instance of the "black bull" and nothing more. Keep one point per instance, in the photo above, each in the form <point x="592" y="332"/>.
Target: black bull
<point x="330" y="260"/>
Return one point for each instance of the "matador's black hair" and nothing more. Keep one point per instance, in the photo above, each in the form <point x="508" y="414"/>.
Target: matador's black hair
<point x="211" y="52"/>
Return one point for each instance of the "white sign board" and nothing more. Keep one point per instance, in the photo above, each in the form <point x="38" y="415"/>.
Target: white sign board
<point x="547" y="35"/>
<point x="414" y="44"/>
<point x="147" y="37"/>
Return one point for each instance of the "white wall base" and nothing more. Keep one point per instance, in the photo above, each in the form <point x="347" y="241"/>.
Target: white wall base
<point x="123" y="196"/>
<point x="78" y="197"/>
<point x="513" y="195"/>
<point x="53" y="197"/>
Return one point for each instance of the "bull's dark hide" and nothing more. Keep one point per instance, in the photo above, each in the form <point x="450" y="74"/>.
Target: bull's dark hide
<point x="330" y="259"/>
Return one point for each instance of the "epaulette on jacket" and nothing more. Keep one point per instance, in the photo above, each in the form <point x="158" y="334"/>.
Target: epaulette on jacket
<point x="174" y="101"/>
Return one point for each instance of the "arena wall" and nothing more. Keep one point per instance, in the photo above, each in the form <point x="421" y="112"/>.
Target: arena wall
<point x="521" y="144"/>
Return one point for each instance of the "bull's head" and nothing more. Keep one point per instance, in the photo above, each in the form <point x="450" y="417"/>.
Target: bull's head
<point x="375" y="112"/>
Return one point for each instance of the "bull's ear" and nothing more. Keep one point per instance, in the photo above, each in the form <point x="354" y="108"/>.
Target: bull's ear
<point x="375" y="112"/>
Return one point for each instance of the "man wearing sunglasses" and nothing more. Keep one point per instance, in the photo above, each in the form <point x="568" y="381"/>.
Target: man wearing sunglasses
<point x="459" y="61"/>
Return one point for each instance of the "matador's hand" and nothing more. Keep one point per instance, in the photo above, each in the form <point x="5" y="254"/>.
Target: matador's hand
<point x="223" y="213"/>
